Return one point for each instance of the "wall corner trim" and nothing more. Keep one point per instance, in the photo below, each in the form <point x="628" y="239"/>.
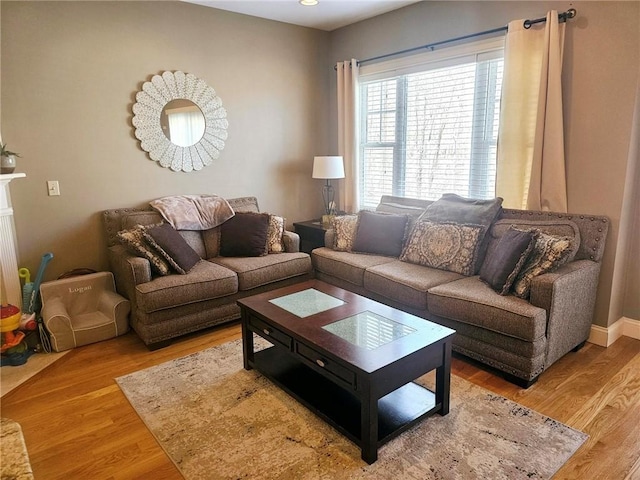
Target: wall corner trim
<point x="605" y="336"/>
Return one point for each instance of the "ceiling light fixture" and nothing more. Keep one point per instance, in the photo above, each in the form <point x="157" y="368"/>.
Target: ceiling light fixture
<point x="308" y="3"/>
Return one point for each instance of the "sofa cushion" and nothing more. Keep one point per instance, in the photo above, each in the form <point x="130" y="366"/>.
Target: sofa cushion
<point x="380" y="233"/>
<point x="211" y="240"/>
<point x="405" y="282"/>
<point x="142" y="217"/>
<point x="257" y="271"/>
<point x="172" y="246"/>
<point x="549" y="253"/>
<point x="195" y="240"/>
<point x="133" y="239"/>
<point x="558" y="228"/>
<point x="347" y="266"/>
<point x="344" y="228"/>
<point x="454" y="208"/>
<point x="275" y="242"/>
<point x="503" y="264"/>
<point x="447" y="246"/>
<point x="205" y="281"/>
<point x="472" y="301"/>
<point x="244" y="235"/>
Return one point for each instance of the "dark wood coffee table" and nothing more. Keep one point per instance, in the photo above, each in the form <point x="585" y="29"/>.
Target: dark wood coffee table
<point x="349" y="359"/>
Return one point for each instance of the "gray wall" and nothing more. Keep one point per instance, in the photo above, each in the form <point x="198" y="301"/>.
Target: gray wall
<point x="70" y="72"/>
<point x="599" y="81"/>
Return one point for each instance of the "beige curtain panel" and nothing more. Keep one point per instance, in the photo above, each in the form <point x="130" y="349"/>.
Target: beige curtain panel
<point x="347" y="73"/>
<point x="530" y="164"/>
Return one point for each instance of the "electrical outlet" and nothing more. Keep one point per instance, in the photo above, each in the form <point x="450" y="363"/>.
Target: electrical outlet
<point x="53" y="187"/>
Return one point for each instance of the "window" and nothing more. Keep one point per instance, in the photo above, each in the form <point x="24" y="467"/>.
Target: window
<point x="429" y="125"/>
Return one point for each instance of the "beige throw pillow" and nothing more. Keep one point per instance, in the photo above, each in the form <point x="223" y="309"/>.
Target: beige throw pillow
<point x="344" y="232"/>
<point x="274" y="234"/>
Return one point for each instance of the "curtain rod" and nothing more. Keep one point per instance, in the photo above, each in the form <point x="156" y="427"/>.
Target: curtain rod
<point x="562" y="17"/>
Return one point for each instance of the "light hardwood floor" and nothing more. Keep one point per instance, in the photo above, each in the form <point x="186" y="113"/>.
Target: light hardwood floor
<point x="78" y="425"/>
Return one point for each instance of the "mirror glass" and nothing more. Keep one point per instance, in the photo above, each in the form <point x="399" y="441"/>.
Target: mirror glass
<point x="182" y="122"/>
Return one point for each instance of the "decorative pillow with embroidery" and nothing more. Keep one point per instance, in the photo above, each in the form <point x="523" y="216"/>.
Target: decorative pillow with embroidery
<point x="446" y="246"/>
<point x="135" y="242"/>
<point x="344" y="228"/>
<point x="275" y="241"/>
<point x="549" y="253"/>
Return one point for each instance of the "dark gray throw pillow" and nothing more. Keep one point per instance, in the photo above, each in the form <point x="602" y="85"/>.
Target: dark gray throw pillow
<point x="466" y="211"/>
<point x="175" y="249"/>
<point x="244" y="235"/>
<point x="501" y="267"/>
<point x="380" y="233"/>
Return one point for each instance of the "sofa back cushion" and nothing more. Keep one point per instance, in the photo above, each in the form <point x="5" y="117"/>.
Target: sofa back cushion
<point x="593" y="229"/>
<point x="558" y="228"/>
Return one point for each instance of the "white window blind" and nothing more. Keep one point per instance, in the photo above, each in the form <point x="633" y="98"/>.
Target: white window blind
<point x="430" y="127"/>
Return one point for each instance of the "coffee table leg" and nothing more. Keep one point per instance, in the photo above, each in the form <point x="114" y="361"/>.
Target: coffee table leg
<point x="247" y="342"/>
<point x="369" y="423"/>
<point x="443" y="379"/>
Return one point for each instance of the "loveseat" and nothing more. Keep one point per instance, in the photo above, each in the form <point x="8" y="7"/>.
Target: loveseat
<point x="521" y="337"/>
<point x="167" y="304"/>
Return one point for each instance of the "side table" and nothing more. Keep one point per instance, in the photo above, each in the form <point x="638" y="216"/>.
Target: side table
<point x="311" y="234"/>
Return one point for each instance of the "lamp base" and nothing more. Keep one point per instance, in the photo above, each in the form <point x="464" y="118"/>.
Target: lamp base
<point x="327" y="219"/>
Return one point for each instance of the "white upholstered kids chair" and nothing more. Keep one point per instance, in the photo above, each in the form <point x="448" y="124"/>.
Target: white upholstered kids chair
<point x="81" y="310"/>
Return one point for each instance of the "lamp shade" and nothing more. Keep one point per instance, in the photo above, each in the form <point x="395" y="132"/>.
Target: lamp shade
<point x="328" y="167"/>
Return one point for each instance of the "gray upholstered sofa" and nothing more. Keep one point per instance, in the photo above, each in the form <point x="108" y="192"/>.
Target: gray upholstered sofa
<point x="164" y="307"/>
<point x="519" y="337"/>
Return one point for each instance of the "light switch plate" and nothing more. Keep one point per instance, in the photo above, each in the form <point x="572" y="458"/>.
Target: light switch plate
<point x="53" y="187"/>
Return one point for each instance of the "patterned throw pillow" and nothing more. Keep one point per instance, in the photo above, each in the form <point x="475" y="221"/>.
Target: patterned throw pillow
<point x="134" y="240"/>
<point x="446" y="246"/>
<point x="501" y="267"/>
<point x="344" y="228"/>
<point x="549" y="253"/>
<point x="274" y="234"/>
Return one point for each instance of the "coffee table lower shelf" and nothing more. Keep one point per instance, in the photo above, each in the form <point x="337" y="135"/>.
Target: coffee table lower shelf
<point x="397" y="411"/>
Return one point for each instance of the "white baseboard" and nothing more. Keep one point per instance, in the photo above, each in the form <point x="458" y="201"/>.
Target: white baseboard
<point x="605" y="336"/>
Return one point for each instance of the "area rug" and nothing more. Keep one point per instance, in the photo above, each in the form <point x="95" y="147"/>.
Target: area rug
<point x="216" y="420"/>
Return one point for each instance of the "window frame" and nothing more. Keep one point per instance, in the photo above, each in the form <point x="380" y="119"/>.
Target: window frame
<point x="398" y="68"/>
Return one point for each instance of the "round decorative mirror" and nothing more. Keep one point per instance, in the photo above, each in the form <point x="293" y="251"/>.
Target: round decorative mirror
<point x="180" y="121"/>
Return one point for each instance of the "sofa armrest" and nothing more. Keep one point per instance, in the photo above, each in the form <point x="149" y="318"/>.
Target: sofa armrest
<point x="291" y="241"/>
<point x="569" y="296"/>
<point x="128" y="270"/>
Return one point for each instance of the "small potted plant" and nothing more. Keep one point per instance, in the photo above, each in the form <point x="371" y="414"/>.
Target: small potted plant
<point x="7" y="159"/>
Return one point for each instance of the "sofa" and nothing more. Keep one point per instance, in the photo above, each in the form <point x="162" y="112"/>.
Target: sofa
<point x="169" y="303"/>
<point x="519" y="334"/>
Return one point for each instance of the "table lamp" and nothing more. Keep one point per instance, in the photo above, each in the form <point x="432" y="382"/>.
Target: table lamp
<point x="328" y="167"/>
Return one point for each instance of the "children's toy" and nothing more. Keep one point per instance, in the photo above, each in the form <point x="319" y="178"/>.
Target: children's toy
<point x="33" y="303"/>
<point x="10" y="316"/>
